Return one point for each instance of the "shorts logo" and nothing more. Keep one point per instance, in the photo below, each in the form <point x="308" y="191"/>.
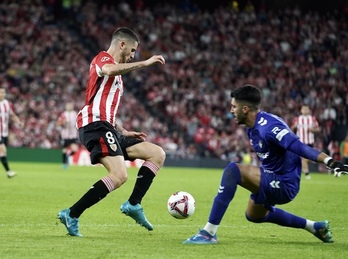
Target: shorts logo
<point x="113" y="147"/>
<point x="275" y="184"/>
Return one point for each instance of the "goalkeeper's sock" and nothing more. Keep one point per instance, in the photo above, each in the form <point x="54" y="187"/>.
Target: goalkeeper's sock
<point x="283" y="218"/>
<point x="228" y="186"/>
<point x="211" y="228"/>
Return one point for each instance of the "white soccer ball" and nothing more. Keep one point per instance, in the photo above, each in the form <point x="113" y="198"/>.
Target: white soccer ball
<point x="181" y="205"/>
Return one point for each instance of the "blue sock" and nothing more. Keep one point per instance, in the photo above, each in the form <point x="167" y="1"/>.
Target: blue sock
<point x="227" y="189"/>
<point x="283" y="218"/>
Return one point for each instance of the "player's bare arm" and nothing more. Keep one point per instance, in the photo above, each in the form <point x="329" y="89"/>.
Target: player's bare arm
<point x="315" y="130"/>
<point x="16" y="120"/>
<point x="123" y="68"/>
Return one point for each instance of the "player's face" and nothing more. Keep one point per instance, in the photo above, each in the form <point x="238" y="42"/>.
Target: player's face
<point x="69" y="106"/>
<point x="128" y="51"/>
<point x="2" y="94"/>
<point x="237" y="109"/>
<point x="305" y="110"/>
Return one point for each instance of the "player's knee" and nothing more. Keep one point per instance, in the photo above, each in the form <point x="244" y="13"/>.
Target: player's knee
<point x="158" y="157"/>
<point x="254" y="220"/>
<point x="118" y="177"/>
<point x="232" y="171"/>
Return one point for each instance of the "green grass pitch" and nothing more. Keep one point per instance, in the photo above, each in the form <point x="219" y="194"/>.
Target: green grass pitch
<point x="30" y="203"/>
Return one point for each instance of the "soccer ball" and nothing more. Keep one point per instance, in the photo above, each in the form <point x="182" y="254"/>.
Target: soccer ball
<point x="181" y="205"/>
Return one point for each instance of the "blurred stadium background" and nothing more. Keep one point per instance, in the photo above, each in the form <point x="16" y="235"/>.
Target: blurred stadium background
<point x="296" y="51"/>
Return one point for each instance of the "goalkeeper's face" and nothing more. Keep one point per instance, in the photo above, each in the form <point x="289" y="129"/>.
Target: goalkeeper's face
<point x="238" y="111"/>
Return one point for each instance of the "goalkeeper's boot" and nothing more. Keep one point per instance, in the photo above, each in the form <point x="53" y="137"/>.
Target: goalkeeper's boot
<point x="323" y="231"/>
<point x="71" y="224"/>
<point x="202" y="238"/>
<point x="136" y="212"/>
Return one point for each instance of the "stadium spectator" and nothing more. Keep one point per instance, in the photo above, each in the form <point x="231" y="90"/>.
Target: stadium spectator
<point x="281" y="51"/>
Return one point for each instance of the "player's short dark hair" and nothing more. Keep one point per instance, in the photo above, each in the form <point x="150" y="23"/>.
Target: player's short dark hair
<point x="125" y="33"/>
<point x="247" y="93"/>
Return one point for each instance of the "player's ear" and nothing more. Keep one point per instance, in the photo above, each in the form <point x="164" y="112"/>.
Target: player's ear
<point x="245" y="109"/>
<point x="122" y="44"/>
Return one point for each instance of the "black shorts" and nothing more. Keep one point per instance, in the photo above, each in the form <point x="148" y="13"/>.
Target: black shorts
<point x="67" y="142"/>
<point x="102" y="139"/>
<point x="4" y="140"/>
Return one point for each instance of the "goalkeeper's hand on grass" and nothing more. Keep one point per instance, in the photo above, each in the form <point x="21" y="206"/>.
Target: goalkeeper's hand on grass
<point x="337" y="167"/>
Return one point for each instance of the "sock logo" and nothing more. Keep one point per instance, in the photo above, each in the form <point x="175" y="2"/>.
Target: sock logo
<point x="221" y="189"/>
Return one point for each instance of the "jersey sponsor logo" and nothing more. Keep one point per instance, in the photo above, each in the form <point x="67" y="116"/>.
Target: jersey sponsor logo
<point x="262" y="155"/>
<point x="262" y="121"/>
<point x="104" y="59"/>
<point x="268" y="171"/>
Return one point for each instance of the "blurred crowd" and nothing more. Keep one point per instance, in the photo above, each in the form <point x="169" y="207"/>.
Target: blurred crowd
<point x="294" y="57"/>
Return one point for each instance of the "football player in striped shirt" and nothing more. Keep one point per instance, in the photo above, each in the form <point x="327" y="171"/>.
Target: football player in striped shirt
<point x="108" y="143"/>
<point x="7" y="115"/>
<point x="68" y="132"/>
<point x="305" y="126"/>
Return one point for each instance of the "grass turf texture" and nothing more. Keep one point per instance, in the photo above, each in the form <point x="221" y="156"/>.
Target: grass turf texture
<point x="30" y="203"/>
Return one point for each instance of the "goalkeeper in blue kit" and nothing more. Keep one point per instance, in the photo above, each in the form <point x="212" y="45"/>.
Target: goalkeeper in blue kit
<point x="276" y="181"/>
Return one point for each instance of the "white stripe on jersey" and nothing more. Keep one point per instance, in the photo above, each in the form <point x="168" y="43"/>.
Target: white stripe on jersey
<point x="84" y="113"/>
<point x="103" y="94"/>
<point x="69" y="128"/>
<point x="97" y="99"/>
<point x="5" y="113"/>
<point x="303" y="124"/>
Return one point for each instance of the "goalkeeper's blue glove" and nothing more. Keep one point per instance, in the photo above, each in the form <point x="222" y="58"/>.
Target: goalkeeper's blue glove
<point x="337" y="167"/>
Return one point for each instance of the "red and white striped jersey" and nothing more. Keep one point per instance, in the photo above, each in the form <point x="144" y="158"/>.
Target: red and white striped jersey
<point x="6" y="110"/>
<point x="303" y="124"/>
<point x="103" y="93"/>
<point x="68" y="130"/>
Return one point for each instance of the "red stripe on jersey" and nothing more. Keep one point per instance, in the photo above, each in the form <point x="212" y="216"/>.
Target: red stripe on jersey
<point x="303" y="124"/>
<point x="6" y="111"/>
<point x="103" y="102"/>
<point x="104" y="147"/>
<point x="102" y="93"/>
<point x="113" y="110"/>
<point x="69" y="129"/>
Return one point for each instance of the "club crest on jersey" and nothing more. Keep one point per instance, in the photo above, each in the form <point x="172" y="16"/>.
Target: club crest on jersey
<point x="260" y="144"/>
<point x="113" y="147"/>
